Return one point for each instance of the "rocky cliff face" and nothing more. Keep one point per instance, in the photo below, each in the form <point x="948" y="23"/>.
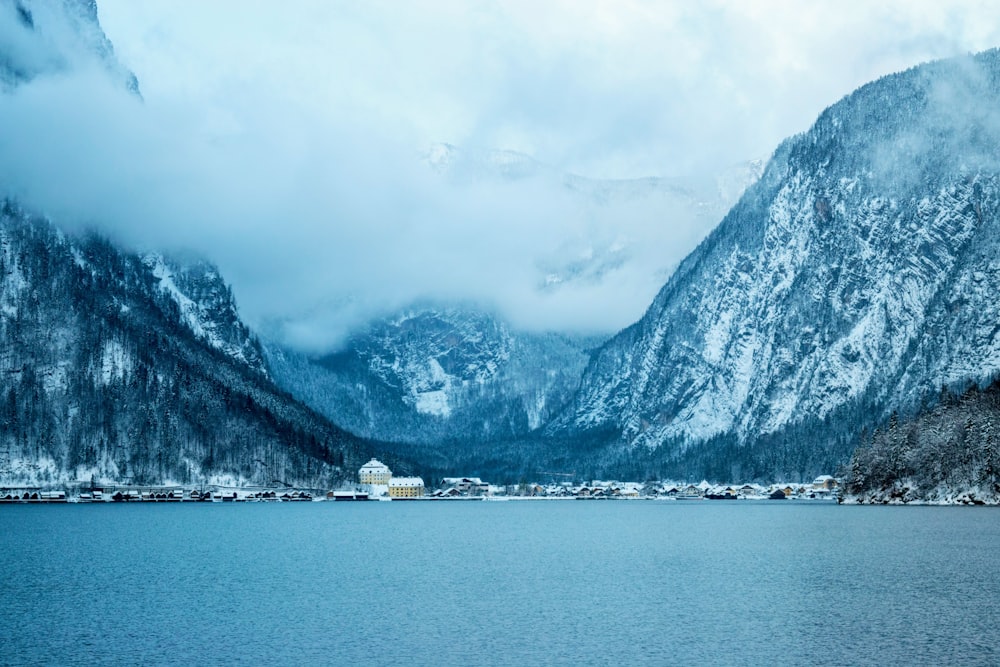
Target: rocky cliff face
<point x="438" y="374"/>
<point x="205" y="305"/>
<point x="42" y="38"/>
<point x="857" y="276"/>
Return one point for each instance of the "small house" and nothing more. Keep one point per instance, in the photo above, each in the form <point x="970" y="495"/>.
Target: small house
<point x="825" y="483"/>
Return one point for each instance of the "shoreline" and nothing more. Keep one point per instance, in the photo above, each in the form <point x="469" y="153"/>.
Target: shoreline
<point x="63" y="499"/>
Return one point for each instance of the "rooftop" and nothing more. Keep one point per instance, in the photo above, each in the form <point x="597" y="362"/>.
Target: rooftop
<point x="406" y="481"/>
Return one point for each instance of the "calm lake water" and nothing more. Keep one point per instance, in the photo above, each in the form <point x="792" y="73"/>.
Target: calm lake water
<point x="706" y="583"/>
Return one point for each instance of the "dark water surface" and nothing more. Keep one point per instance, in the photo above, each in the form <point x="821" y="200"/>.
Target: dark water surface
<point x="706" y="583"/>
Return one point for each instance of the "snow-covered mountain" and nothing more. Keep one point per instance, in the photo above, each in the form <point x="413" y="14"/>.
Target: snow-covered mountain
<point x="46" y="37"/>
<point x="857" y="276"/>
<point x="433" y="374"/>
<point x="455" y="374"/>
<point x="116" y="366"/>
<point x="205" y="305"/>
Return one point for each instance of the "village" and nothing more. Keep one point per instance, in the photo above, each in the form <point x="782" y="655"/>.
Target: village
<point x="377" y="483"/>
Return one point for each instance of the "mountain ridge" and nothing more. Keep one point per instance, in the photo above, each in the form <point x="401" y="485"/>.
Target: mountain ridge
<point x="817" y="289"/>
<point x="104" y="377"/>
<point x="431" y="374"/>
<point x="46" y="38"/>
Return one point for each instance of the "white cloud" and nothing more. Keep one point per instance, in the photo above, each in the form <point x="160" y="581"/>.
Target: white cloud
<point x="283" y="139"/>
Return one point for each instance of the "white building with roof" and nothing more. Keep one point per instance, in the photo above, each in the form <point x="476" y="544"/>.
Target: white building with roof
<point x="374" y="472"/>
<point x="825" y="482"/>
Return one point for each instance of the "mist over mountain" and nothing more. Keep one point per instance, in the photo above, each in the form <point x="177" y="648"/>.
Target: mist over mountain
<point x="637" y="228"/>
<point x="323" y="221"/>
<point x="466" y="317"/>
<point x="544" y="249"/>
<point x="120" y="366"/>
<point x="454" y="374"/>
<point x="50" y="38"/>
<point x="855" y="278"/>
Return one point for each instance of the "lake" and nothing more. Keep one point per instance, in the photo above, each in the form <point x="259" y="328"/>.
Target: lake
<point x="560" y="582"/>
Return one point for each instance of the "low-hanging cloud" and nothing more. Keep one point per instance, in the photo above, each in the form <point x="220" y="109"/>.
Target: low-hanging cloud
<point x="319" y="231"/>
<point x="286" y="145"/>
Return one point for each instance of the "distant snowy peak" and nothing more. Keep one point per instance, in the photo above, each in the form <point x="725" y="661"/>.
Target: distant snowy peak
<point x="431" y="355"/>
<point x="206" y="306"/>
<point x="716" y="191"/>
<point x="439" y="157"/>
<point x="437" y="374"/>
<point x="455" y="162"/>
<point x="616" y="237"/>
<point x="588" y="265"/>
<point x="44" y="37"/>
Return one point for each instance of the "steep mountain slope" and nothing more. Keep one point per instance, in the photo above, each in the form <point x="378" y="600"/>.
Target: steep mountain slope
<point x="453" y="374"/>
<point x="120" y="367"/>
<point x="205" y="304"/>
<point x="857" y="276"/>
<point x="44" y="38"/>
<point x="107" y="373"/>
<point x="438" y="374"/>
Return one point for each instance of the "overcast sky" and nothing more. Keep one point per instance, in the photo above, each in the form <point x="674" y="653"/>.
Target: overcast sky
<point x="284" y="139"/>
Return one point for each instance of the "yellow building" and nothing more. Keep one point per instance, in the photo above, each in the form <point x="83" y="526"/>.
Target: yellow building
<point x="406" y="487"/>
<point x="374" y="472"/>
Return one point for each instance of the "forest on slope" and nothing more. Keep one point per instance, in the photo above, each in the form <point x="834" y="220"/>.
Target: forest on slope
<point x="947" y="452"/>
<point x="102" y="377"/>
